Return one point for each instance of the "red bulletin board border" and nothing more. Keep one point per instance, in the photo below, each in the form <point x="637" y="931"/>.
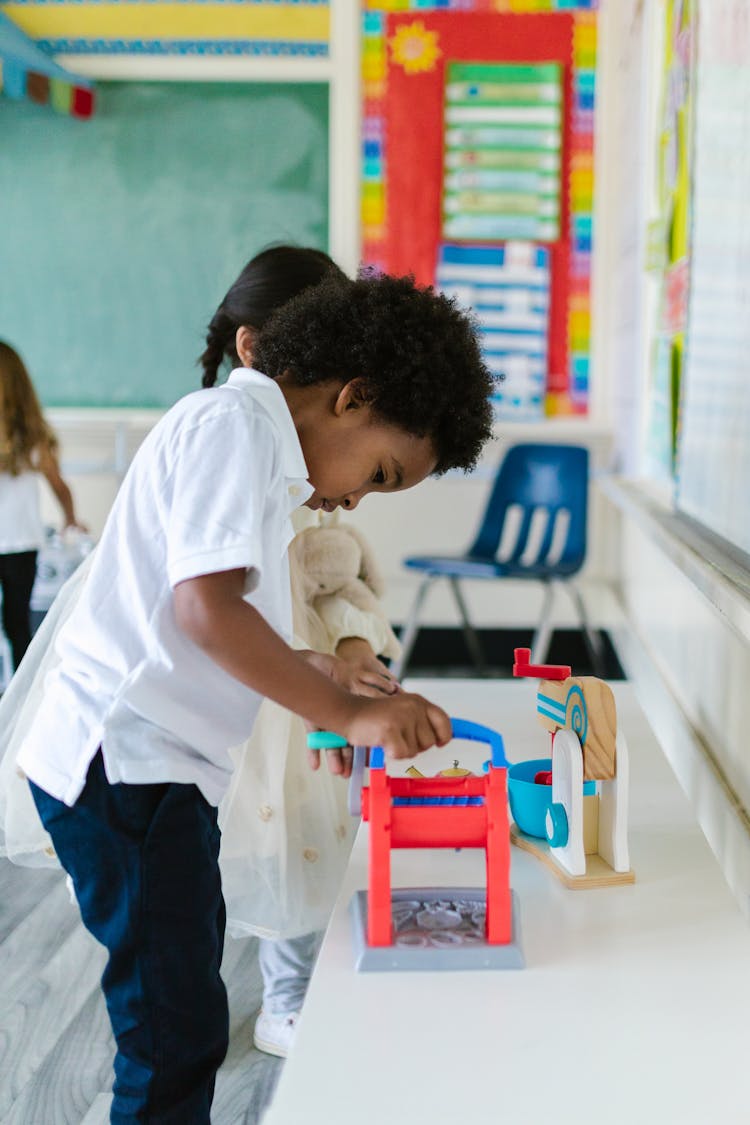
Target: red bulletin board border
<point x="413" y="137"/>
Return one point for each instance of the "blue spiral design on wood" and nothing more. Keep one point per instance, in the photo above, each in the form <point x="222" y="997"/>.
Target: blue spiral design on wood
<point x="576" y="715"/>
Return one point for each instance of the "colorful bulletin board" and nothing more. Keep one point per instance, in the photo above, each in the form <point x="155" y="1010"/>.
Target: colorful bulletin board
<point x="284" y="28"/>
<point x="669" y="234"/>
<point x="409" y="48"/>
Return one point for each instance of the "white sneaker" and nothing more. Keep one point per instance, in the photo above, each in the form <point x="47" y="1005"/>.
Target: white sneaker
<point x="274" y="1034"/>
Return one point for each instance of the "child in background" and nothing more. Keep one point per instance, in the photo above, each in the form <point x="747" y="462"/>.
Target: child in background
<point x="28" y="447"/>
<point x="177" y="634"/>
<point x="286" y="831"/>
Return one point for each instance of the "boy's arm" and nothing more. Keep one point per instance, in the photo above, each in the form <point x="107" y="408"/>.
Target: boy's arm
<point x="211" y="610"/>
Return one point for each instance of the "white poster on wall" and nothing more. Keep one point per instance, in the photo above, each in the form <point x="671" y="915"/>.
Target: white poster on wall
<point x="714" y="445"/>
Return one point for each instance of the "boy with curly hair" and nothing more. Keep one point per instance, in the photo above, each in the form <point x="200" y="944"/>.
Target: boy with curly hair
<point x="182" y="628"/>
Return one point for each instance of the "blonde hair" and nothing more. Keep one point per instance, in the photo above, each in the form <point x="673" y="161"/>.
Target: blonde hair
<point x="23" y="428"/>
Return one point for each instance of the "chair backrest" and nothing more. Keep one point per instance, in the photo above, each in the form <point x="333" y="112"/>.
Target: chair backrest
<point x="535" y="520"/>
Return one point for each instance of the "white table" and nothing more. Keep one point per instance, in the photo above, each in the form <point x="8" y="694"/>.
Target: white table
<point x="634" y="1006"/>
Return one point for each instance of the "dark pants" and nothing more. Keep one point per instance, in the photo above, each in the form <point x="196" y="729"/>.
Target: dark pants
<point x="17" y="574"/>
<point x="144" y="864"/>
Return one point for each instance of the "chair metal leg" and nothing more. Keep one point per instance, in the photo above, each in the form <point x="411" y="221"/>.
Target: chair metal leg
<point x="411" y="628"/>
<point x="470" y="634"/>
<point x="592" y="637"/>
<point x="541" y="640"/>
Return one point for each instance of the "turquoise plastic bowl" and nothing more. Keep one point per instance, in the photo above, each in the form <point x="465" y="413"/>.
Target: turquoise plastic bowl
<point x="529" y="802"/>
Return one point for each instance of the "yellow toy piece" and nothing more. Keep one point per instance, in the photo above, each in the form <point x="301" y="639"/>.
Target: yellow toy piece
<point x="454" y="771"/>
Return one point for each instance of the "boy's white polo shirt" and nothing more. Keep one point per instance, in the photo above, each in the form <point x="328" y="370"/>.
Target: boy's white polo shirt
<point x="212" y="488"/>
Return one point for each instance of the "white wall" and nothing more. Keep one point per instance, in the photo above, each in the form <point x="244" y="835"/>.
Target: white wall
<point x="626" y="105"/>
<point x="439" y="516"/>
<point x="96" y="447"/>
<point x="442" y="517"/>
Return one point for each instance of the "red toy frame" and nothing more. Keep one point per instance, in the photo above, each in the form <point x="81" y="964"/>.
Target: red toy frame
<point x="482" y="825"/>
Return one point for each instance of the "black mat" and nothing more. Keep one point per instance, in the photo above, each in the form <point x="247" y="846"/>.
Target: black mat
<point x="443" y="652"/>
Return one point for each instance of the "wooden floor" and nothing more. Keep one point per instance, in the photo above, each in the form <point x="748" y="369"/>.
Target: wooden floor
<point x="56" y="1047"/>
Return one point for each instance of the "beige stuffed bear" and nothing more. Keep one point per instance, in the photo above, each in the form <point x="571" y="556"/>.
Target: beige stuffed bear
<point x="341" y="583"/>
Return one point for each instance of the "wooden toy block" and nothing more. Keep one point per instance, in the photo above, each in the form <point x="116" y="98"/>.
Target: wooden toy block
<point x="591" y="823"/>
<point x="585" y="705"/>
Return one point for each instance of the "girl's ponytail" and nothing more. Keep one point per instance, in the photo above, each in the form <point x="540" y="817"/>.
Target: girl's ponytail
<point x="267" y="282"/>
<point x="219" y="343"/>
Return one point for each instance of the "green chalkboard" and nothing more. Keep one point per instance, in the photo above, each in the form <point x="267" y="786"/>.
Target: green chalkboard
<point x="119" y="235"/>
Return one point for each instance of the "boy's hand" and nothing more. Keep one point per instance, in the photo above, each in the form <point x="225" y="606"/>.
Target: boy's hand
<point x="367" y="674"/>
<point x="403" y="724"/>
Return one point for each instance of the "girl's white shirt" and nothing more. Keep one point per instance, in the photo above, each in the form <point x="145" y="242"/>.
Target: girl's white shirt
<point x="21" y="527"/>
<point x="212" y="488"/>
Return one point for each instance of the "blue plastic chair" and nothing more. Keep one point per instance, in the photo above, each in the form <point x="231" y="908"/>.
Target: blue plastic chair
<point x="534" y="528"/>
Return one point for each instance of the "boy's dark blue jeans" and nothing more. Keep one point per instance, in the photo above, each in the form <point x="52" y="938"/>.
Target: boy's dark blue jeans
<point x="144" y="864"/>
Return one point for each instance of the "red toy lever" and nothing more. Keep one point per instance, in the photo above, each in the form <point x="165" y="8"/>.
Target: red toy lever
<point x="524" y="667"/>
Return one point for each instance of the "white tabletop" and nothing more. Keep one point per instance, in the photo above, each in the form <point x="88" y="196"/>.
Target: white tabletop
<point x="634" y="1005"/>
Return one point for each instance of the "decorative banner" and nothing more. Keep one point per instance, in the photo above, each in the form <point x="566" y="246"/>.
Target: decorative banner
<point x="420" y="48"/>
<point x="27" y="72"/>
<point x="670" y="257"/>
<point x="502" y="152"/>
<point x="296" y="28"/>
<point x="507" y="289"/>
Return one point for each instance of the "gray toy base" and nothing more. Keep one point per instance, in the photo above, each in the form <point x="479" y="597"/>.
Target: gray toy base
<point x="435" y="928"/>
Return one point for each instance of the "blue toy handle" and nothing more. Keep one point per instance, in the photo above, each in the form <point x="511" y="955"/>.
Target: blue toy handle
<point x="462" y="728"/>
<point x="475" y="732"/>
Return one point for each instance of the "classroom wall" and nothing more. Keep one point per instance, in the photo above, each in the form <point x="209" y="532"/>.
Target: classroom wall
<point x="687" y="659"/>
<point x="88" y="440"/>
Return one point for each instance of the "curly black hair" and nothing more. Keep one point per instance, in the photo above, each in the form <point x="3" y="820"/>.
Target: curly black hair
<point x="416" y="350"/>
